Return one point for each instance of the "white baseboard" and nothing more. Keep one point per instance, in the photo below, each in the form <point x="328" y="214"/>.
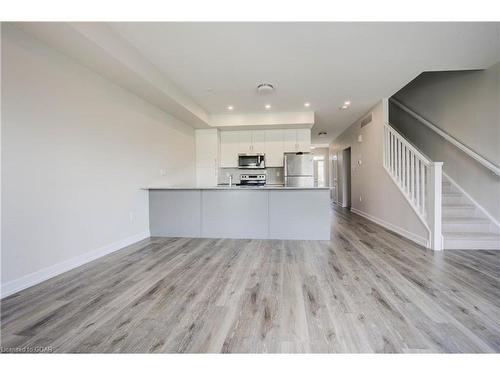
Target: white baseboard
<point x="403" y="232"/>
<point x="37" y="277"/>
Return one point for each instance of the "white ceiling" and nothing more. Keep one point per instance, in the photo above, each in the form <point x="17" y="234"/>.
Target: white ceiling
<point x="195" y="70"/>
<point x="220" y="64"/>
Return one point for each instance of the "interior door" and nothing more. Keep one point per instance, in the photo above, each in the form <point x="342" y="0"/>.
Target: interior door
<point x="346" y="178"/>
<point x="335" y="192"/>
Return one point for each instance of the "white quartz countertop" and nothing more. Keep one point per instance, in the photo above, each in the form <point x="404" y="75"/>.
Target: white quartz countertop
<point x="227" y="187"/>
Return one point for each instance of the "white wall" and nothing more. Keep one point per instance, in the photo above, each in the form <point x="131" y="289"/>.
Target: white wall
<point x="466" y="105"/>
<point x="381" y="200"/>
<point x="76" y="149"/>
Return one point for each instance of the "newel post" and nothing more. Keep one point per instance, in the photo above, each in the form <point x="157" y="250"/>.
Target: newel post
<point x="434" y="214"/>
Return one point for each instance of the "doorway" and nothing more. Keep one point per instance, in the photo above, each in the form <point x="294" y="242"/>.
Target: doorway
<point x="334" y="180"/>
<point x="346" y="178"/>
<point x="319" y="171"/>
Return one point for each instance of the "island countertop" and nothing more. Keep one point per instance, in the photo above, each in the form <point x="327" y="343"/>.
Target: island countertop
<point x="234" y="187"/>
<point x="268" y="212"/>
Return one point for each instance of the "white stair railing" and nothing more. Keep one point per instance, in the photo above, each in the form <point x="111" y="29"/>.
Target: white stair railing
<point x="418" y="178"/>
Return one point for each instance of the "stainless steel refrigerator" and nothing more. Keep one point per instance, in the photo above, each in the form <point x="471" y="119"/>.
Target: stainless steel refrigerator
<point x="299" y="169"/>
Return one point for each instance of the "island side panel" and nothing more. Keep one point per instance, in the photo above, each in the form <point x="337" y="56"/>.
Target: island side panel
<point x="235" y="214"/>
<point x="299" y="214"/>
<point x="175" y="213"/>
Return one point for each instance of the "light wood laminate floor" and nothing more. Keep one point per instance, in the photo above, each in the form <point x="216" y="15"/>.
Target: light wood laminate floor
<point x="366" y="290"/>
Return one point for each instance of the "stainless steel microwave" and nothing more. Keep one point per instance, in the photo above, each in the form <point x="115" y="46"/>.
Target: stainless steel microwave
<point x="251" y="161"/>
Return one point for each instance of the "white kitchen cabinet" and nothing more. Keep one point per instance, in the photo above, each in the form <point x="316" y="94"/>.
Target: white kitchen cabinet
<point x="245" y="142"/>
<point x="258" y="141"/>
<point x="237" y="142"/>
<point x="272" y="142"/>
<point x="251" y="141"/>
<point x="296" y="140"/>
<point x="290" y="140"/>
<point x="229" y="149"/>
<point x="207" y="156"/>
<point x="274" y="147"/>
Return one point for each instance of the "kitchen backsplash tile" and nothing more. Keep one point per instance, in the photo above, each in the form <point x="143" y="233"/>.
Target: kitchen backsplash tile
<point x="274" y="175"/>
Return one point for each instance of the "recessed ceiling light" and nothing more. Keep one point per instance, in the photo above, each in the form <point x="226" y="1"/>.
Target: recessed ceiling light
<point x="230" y="107"/>
<point x="322" y="134"/>
<point x="312" y="147"/>
<point x="307" y="104"/>
<point x="347" y="103"/>
<point x="268" y="106"/>
<point x="344" y="107"/>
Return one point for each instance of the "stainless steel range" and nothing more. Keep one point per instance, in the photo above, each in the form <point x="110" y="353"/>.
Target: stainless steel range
<point x="252" y="180"/>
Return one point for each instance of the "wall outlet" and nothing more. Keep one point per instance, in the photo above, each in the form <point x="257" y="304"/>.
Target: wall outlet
<point x="131" y="216"/>
<point x="163" y="172"/>
<point x="360" y="199"/>
<point x="277" y="173"/>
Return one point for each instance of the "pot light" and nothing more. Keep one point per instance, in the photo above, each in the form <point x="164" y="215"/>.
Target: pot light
<point x="268" y="106"/>
<point x="344" y="107"/>
<point x="230" y="107"/>
<point x="322" y="134"/>
<point x="307" y="104"/>
<point x="347" y="103"/>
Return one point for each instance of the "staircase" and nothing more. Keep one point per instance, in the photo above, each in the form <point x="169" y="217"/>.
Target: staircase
<point x="464" y="225"/>
<point x="419" y="180"/>
<point x="454" y="220"/>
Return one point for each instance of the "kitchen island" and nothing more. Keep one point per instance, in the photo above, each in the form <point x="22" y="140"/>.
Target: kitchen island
<point x="267" y="212"/>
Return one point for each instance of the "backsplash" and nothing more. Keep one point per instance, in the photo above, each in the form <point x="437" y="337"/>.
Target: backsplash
<point x="274" y="175"/>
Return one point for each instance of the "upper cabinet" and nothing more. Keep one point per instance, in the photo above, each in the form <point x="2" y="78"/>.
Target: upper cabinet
<point x="297" y="140"/>
<point x="229" y="149"/>
<point x="274" y="147"/>
<point x="244" y="141"/>
<point x="258" y="141"/>
<point x="272" y="142"/>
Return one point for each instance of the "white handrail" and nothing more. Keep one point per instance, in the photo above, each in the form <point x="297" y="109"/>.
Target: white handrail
<point x="473" y="154"/>
<point x="418" y="179"/>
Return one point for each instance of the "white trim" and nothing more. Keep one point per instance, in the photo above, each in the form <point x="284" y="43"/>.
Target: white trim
<point x="473" y="154"/>
<point x="425" y="159"/>
<point x="478" y="206"/>
<point x="44" y="274"/>
<point x="403" y="232"/>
